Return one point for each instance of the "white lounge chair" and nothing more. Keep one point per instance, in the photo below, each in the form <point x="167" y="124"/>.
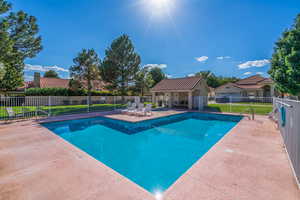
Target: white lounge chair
<point x="11" y="113"/>
<point x="135" y="111"/>
<point x="130" y="107"/>
<point x="145" y="111"/>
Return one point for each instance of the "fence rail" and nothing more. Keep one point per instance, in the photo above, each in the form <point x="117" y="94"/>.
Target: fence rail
<point x="14" y="107"/>
<point x="288" y="117"/>
<point x="245" y="105"/>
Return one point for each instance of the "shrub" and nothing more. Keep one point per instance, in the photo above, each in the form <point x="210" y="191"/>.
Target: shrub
<point x="102" y="93"/>
<point x="47" y="92"/>
<point x="63" y="92"/>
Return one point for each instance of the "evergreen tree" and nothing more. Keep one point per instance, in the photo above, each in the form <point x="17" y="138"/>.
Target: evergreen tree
<point x="157" y="75"/>
<point x="51" y="74"/>
<point x="143" y="81"/>
<point x="121" y="64"/>
<point x="215" y="81"/>
<point x="2" y="71"/>
<point x="86" y="68"/>
<point x="18" y="41"/>
<point x="285" y="63"/>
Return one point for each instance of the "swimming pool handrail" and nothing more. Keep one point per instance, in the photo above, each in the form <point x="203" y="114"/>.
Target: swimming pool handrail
<point x="285" y="104"/>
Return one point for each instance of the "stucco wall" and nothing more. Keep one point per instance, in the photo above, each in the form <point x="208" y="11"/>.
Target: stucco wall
<point x="228" y="89"/>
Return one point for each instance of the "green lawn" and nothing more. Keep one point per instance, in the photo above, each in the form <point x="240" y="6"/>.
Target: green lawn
<point x="235" y="108"/>
<point x="61" y="110"/>
<point x="255" y="103"/>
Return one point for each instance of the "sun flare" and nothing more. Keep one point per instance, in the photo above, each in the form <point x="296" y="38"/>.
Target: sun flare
<point x="159" y="3"/>
<point x="159" y="8"/>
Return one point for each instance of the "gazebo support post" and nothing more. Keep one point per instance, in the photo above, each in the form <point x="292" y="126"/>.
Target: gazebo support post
<point x="190" y="100"/>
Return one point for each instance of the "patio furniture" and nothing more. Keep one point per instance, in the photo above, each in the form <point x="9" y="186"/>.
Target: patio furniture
<point x="130" y="107"/>
<point x="135" y="111"/>
<point x="145" y="111"/>
<point x="11" y="113"/>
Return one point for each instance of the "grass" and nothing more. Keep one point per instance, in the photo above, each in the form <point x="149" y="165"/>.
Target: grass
<point x="238" y="108"/>
<point x="255" y="103"/>
<point x="61" y="110"/>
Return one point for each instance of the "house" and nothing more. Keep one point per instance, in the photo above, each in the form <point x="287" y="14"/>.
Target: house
<point x="253" y="86"/>
<point x="180" y="92"/>
<point x="41" y="82"/>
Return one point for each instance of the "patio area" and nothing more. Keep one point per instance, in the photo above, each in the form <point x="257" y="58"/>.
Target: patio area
<point x="249" y="163"/>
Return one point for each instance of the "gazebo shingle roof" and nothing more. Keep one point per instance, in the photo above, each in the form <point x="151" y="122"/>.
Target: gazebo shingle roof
<point x="187" y="83"/>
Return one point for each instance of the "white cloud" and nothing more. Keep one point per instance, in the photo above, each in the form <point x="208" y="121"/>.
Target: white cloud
<point x="191" y="75"/>
<point x="260" y="73"/>
<point x="169" y="76"/>
<point x="41" y="68"/>
<point x="201" y="59"/>
<point x="247" y="73"/>
<point x="254" y="63"/>
<point x="223" y="57"/>
<point x="161" y="66"/>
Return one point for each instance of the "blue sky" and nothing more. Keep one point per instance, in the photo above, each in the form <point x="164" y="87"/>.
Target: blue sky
<point x="228" y="37"/>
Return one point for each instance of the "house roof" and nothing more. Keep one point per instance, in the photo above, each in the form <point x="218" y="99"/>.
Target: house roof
<point x="54" y="83"/>
<point x="252" y="80"/>
<point x="187" y="83"/>
<point x="256" y="86"/>
<point x="64" y="83"/>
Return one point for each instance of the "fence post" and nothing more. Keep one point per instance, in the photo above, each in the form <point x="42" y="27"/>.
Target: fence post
<point x="88" y="103"/>
<point x="49" y="104"/>
<point x="230" y="101"/>
<point x="114" y="102"/>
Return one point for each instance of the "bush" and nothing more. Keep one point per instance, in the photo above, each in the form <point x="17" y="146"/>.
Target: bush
<point x="63" y="92"/>
<point x="102" y="93"/>
<point x="47" y="92"/>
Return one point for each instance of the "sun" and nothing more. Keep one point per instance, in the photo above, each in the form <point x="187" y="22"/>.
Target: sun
<point x="159" y="8"/>
<point x="159" y="3"/>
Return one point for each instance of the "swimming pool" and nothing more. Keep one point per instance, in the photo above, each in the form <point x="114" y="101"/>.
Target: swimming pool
<point x="152" y="153"/>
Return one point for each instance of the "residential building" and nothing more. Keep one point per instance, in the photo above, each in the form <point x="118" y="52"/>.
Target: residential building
<point x="253" y="86"/>
<point x="41" y="82"/>
<point x="181" y="92"/>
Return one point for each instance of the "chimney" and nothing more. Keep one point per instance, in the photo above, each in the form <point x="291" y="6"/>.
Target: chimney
<point x="36" y="80"/>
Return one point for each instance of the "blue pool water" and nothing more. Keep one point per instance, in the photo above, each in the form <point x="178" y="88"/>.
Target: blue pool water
<point x="152" y="153"/>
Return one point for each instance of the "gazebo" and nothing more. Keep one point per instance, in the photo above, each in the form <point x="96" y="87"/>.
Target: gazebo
<point x="188" y="92"/>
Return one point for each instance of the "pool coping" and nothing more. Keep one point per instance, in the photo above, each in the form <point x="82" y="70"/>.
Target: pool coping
<point x="145" y="120"/>
<point x="180" y="183"/>
<point x="109" y="113"/>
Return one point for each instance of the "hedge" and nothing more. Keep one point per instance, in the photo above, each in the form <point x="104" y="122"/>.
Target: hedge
<point x="63" y="92"/>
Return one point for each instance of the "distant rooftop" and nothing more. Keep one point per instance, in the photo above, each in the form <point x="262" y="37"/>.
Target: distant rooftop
<point x="187" y="83"/>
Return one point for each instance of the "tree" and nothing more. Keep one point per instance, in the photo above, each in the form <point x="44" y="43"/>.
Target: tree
<point x="215" y="81"/>
<point x="157" y="75"/>
<point x="121" y="64"/>
<point x="143" y="81"/>
<point x="19" y="41"/>
<point x="51" y="74"/>
<point x="211" y="79"/>
<point x="86" y="68"/>
<point x="2" y="71"/>
<point x="285" y="63"/>
<point x="75" y="85"/>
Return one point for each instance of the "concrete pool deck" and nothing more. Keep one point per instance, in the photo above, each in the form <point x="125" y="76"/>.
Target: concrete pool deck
<point x="248" y="163"/>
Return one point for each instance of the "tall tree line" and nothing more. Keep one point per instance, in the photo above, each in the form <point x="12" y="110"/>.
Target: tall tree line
<point x="120" y="68"/>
